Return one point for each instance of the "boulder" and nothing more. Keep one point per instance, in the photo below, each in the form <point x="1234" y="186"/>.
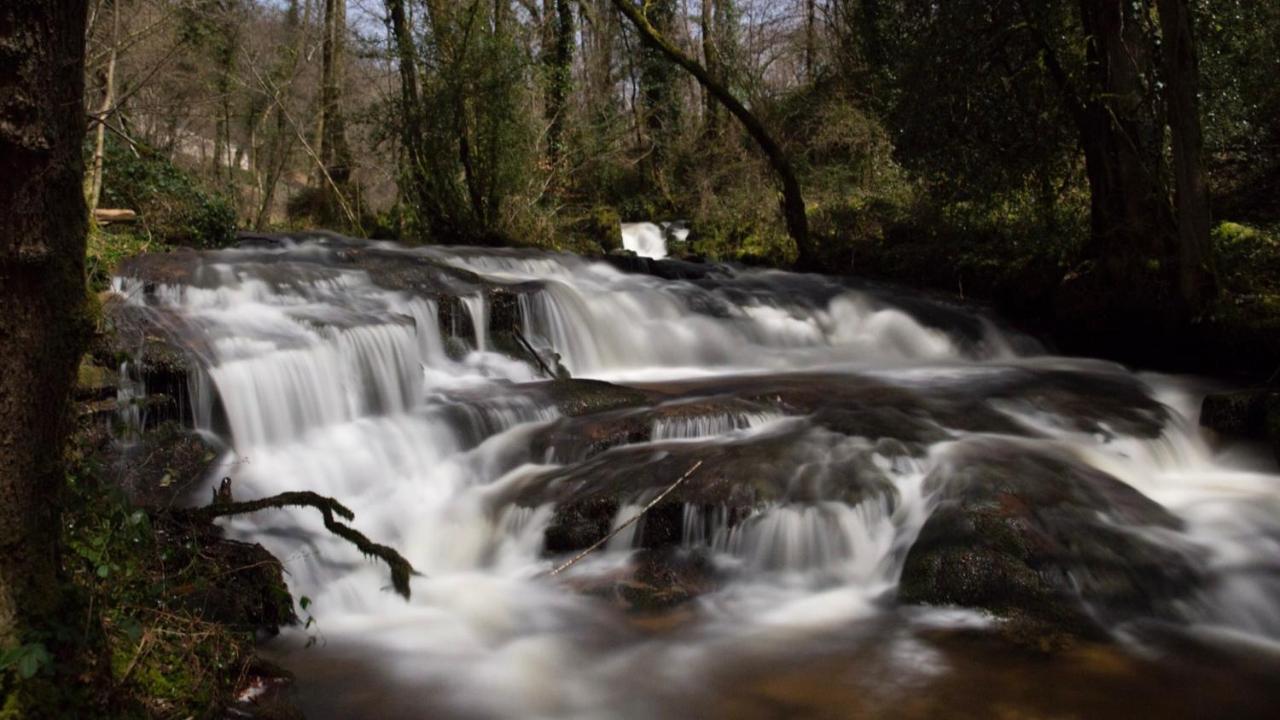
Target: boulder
<point x="1253" y="414"/>
<point x="654" y="581"/>
<point x="1033" y="534"/>
<point x="737" y="479"/>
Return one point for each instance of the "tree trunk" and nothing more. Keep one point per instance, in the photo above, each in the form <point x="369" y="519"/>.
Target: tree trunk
<point x="711" y="57"/>
<point x="558" y="58"/>
<point x="280" y="141"/>
<point x="94" y="189"/>
<point x="793" y="208"/>
<point x="658" y="87"/>
<point x="43" y="318"/>
<point x="411" y="136"/>
<point x="810" y="40"/>
<point x="334" y="152"/>
<point x="1132" y="224"/>
<point x="1196" y="277"/>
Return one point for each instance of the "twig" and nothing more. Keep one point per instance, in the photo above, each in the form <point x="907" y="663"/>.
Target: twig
<point x="533" y="353"/>
<point x="143" y="647"/>
<point x="328" y="507"/>
<point x="629" y="522"/>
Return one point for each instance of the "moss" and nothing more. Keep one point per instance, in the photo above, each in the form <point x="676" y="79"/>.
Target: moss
<point x="604" y="226"/>
<point x="178" y="606"/>
<point x="105" y="251"/>
<point x="584" y="397"/>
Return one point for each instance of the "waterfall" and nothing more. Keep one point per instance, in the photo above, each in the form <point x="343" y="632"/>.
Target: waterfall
<point x="826" y="413"/>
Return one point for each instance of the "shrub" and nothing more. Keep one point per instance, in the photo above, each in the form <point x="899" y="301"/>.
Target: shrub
<point x="172" y="207"/>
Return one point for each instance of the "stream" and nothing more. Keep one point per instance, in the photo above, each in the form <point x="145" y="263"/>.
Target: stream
<point x="900" y="507"/>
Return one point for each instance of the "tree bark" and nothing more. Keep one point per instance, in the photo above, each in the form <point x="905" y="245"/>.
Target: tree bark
<point x="658" y="88"/>
<point x="558" y="42"/>
<point x="810" y="40"/>
<point x="334" y="152"/>
<point x="711" y="57"/>
<point x="1196" y="276"/>
<point x="43" y="317"/>
<point x="793" y="208"/>
<point x="411" y="130"/>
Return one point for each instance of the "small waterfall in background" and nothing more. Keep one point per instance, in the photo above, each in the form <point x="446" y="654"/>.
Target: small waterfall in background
<point x="832" y="421"/>
<point x="650" y="240"/>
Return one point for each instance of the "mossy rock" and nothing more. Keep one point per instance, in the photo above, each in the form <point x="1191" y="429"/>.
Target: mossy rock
<point x="583" y="397"/>
<point x="1242" y="413"/>
<point x="654" y="582"/>
<point x="1027" y="533"/>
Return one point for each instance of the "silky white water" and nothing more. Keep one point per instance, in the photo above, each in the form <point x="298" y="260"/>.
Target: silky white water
<point x="324" y="380"/>
<point x="649" y="240"/>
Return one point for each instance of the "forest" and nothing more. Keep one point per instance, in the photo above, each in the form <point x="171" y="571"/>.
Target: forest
<point x="299" y="249"/>
<point x="903" y="129"/>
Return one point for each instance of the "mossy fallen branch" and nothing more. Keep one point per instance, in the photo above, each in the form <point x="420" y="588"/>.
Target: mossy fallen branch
<point x="401" y="570"/>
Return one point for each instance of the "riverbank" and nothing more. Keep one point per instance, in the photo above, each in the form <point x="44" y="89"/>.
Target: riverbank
<point x="1029" y="283"/>
<point x="176" y="608"/>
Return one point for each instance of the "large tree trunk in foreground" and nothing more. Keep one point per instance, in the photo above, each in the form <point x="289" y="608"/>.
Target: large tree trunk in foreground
<point x="42" y="293"/>
<point x="793" y="209"/>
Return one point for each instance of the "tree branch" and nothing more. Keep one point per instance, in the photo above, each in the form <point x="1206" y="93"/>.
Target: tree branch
<point x="401" y="570"/>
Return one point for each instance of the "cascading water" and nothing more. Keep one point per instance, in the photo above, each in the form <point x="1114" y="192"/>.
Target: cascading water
<point x="649" y="240"/>
<point x="832" y="421"/>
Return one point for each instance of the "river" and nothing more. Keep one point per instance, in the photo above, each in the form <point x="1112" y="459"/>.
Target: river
<point x="842" y="436"/>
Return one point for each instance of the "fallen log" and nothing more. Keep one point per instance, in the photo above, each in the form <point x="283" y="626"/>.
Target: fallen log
<point x="106" y="216"/>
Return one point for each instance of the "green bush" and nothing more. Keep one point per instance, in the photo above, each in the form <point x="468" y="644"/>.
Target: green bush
<point x="172" y="206"/>
<point x="1248" y="258"/>
<point x="105" y="249"/>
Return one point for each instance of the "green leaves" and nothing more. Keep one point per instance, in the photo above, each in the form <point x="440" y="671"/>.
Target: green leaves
<point x="26" y="660"/>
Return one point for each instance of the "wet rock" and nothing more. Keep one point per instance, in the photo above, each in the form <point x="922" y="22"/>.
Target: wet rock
<point x="244" y="588"/>
<point x="1252" y="414"/>
<point x="266" y="692"/>
<point x="1096" y="401"/>
<point x="665" y="269"/>
<point x="159" y="467"/>
<point x="182" y="266"/>
<point x="151" y="337"/>
<point x="1027" y="533"/>
<point x="655" y="581"/>
<point x="577" y="438"/>
<point x="95" y="382"/>
<point x="737" y="480"/>
<point x="583" y="397"/>
<point x="1100" y="401"/>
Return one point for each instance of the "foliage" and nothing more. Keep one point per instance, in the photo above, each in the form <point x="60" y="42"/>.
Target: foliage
<point x="106" y="248"/>
<point x="1249" y="259"/>
<point x="172" y="207"/>
<point x="169" y="651"/>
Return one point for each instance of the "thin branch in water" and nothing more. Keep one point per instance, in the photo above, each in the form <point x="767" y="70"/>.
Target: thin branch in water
<point x="596" y="545"/>
<point x="533" y="353"/>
